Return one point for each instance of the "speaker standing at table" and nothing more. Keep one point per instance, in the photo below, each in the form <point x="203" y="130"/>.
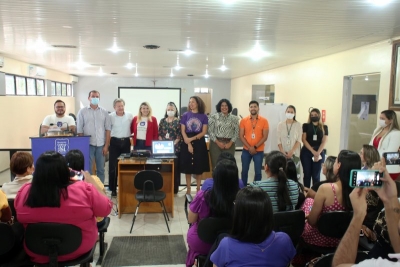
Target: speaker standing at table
<point x="94" y="121"/>
<point x="144" y="128"/>
<point x="169" y="128"/>
<point x="58" y="121"/>
<point x="120" y="140"/>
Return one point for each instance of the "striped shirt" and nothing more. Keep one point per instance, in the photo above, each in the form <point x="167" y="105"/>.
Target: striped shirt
<point x="94" y="122"/>
<point x="271" y="187"/>
<point x="223" y="126"/>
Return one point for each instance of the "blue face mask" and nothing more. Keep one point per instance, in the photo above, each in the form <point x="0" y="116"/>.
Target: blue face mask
<point x="95" y="101"/>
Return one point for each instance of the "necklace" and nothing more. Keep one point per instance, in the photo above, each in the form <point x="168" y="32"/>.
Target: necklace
<point x="263" y="249"/>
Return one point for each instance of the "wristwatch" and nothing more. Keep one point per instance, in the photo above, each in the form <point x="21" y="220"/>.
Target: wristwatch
<point x="255" y="147"/>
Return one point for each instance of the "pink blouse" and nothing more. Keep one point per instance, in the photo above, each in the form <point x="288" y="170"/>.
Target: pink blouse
<point x="81" y="207"/>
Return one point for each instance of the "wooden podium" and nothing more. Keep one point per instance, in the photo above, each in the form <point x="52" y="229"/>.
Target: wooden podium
<point x="127" y="169"/>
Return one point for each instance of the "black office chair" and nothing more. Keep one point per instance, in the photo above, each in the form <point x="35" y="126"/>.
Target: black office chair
<point x="235" y="111"/>
<point x="331" y="224"/>
<point x="11" y="248"/>
<point x="13" y="211"/>
<point x="55" y="239"/>
<point x="209" y="230"/>
<point x="149" y="182"/>
<point x="290" y="222"/>
<point x="103" y="245"/>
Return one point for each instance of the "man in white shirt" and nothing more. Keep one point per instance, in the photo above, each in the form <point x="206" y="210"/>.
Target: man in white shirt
<point x="58" y="121"/>
<point x="346" y="253"/>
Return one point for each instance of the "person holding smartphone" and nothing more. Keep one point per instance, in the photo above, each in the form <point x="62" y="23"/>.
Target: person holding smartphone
<point x="386" y="138"/>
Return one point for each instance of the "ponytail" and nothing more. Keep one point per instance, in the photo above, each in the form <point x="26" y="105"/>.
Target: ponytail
<point x="283" y="191"/>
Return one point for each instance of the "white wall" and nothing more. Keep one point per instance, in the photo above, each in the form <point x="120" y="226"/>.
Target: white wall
<point x="108" y="88"/>
<point x="319" y="83"/>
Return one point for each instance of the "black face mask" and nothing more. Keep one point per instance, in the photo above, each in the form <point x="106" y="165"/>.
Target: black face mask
<point x="314" y="119"/>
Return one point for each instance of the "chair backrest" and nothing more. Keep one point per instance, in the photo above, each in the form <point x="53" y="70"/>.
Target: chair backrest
<point x="52" y="239"/>
<point x="8" y="237"/>
<point x="209" y="228"/>
<point x="290" y="222"/>
<point x="334" y="223"/>
<point x="148" y="175"/>
<point x="13" y="211"/>
<point x="235" y="111"/>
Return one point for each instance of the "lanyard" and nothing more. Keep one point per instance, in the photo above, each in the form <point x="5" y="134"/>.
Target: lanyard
<point x="315" y="129"/>
<point x="254" y="125"/>
<point x="288" y="130"/>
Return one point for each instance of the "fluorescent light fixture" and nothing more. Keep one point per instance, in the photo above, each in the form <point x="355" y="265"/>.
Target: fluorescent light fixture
<point x="101" y="73"/>
<point x="223" y="67"/>
<point x="115" y="48"/>
<point x="228" y="1"/>
<point x="130" y="66"/>
<point x="380" y="2"/>
<point x="206" y="75"/>
<point x="366" y="78"/>
<point x="136" y="73"/>
<point x="188" y="52"/>
<point x="257" y="53"/>
<point x="172" y="74"/>
<point x="177" y="67"/>
<point x="80" y="65"/>
<point x="39" y="45"/>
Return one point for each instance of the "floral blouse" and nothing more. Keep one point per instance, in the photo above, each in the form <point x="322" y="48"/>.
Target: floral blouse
<point x="172" y="130"/>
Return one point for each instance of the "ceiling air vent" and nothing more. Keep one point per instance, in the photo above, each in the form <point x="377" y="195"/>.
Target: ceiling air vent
<point x="113" y="73"/>
<point x="151" y="46"/>
<point x="64" y="46"/>
<point x="190" y="75"/>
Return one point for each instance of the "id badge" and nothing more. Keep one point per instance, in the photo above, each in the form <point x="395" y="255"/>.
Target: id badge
<point x="288" y="142"/>
<point x="167" y="135"/>
<point x="314" y="137"/>
<point x="253" y="136"/>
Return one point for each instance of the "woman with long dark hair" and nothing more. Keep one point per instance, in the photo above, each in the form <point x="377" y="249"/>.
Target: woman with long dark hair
<point x="312" y="155"/>
<point x="330" y="197"/>
<point x="283" y="192"/>
<point x="291" y="173"/>
<point x="216" y="202"/>
<point x="53" y="197"/>
<point x="252" y="241"/>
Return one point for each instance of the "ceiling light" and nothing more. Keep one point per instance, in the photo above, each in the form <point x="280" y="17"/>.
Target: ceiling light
<point x="228" y="1"/>
<point x="172" y="74"/>
<point x="206" y="75"/>
<point x="177" y="67"/>
<point x="101" y="73"/>
<point x="67" y="27"/>
<point x="39" y="45"/>
<point x="136" y="73"/>
<point x="223" y="67"/>
<point x="130" y="66"/>
<point x="257" y="53"/>
<point x="188" y="52"/>
<point x="366" y="78"/>
<point x="115" y="48"/>
<point x="380" y="2"/>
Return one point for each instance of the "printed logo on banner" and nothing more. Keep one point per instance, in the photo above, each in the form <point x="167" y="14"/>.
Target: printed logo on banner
<point x="62" y="146"/>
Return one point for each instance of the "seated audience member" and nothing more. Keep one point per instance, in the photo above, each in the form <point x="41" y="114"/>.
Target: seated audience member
<point x="215" y="202"/>
<point x="369" y="156"/>
<point x="327" y="170"/>
<point x="21" y="165"/>
<point x="283" y="192"/>
<point x="208" y="183"/>
<point x="5" y="211"/>
<point x="252" y="241"/>
<point x="345" y="254"/>
<point x="76" y="161"/>
<point x="330" y="197"/>
<point x="291" y="174"/>
<point x="52" y="197"/>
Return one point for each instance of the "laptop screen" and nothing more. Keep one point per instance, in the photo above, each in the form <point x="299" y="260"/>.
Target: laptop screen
<point x="163" y="147"/>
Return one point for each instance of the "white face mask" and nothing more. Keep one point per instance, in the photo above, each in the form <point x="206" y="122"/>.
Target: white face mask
<point x="170" y="113"/>
<point x="382" y="123"/>
<point x="289" y="116"/>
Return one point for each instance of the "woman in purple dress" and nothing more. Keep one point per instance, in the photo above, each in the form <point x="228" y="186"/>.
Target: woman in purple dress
<point x="216" y="202"/>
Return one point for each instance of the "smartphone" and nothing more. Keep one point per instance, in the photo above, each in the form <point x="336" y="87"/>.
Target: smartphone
<point x="392" y="158"/>
<point x="76" y="175"/>
<point x="365" y="178"/>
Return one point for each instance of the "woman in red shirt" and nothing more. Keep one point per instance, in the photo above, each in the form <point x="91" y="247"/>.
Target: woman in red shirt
<point x="144" y="128"/>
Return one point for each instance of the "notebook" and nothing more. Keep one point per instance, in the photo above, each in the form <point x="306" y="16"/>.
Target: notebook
<point x="163" y="150"/>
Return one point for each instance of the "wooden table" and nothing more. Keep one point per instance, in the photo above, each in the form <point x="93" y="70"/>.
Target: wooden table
<point x="127" y="168"/>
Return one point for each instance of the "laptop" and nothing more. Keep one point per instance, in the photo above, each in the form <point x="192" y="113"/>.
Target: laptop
<point x="163" y="149"/>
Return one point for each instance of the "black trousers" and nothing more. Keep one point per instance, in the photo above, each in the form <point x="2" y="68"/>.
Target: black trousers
<point x="117" y="147"/>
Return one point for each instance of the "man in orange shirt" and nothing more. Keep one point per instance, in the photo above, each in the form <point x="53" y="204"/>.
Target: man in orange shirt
<point x="253" y="133"/>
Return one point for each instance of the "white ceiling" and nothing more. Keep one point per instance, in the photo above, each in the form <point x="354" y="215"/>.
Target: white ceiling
<point x="289" y="30"/>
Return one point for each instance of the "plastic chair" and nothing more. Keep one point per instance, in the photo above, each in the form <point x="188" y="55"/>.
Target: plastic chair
<point x="103" y="245"/>
<point x="149" y="183"/>
<point x="290" y="222"/>
<point x="55" y="239"/>
<point x="331" y="224"/>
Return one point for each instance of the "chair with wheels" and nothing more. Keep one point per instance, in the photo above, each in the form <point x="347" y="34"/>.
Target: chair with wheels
<point x="54" y="240"/>
<point x="103" y="245"/>
<point x="290" y="222"/>
<point x="149" y="184"/>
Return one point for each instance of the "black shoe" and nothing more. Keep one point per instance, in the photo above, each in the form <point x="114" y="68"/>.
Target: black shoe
<point x="114" y="193"/>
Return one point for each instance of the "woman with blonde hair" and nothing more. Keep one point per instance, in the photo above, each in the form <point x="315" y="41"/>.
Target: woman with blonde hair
<point x="327" y="170"/>
<point x="386" y="138"/>
<point x="369" y="156"/>
<point x="144" y="127"/>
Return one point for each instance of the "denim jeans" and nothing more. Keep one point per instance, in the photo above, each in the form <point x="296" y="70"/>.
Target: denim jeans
<point x="246" y="159"/>
<point x="96" y="155"/>
<point x="311" y="169"/>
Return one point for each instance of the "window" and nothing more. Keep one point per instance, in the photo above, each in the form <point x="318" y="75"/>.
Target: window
<point x="63" y="89"/>
<point x="69" y="91"/>
<point x="201" y="90"/>
<point x="21" y="85"/>
<point x="31" y="86"/>
<point x="53" y="88"/>
<point x="10" y="85"/>
<point x="40" y="87"/>
<point x="58" y="88"/>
